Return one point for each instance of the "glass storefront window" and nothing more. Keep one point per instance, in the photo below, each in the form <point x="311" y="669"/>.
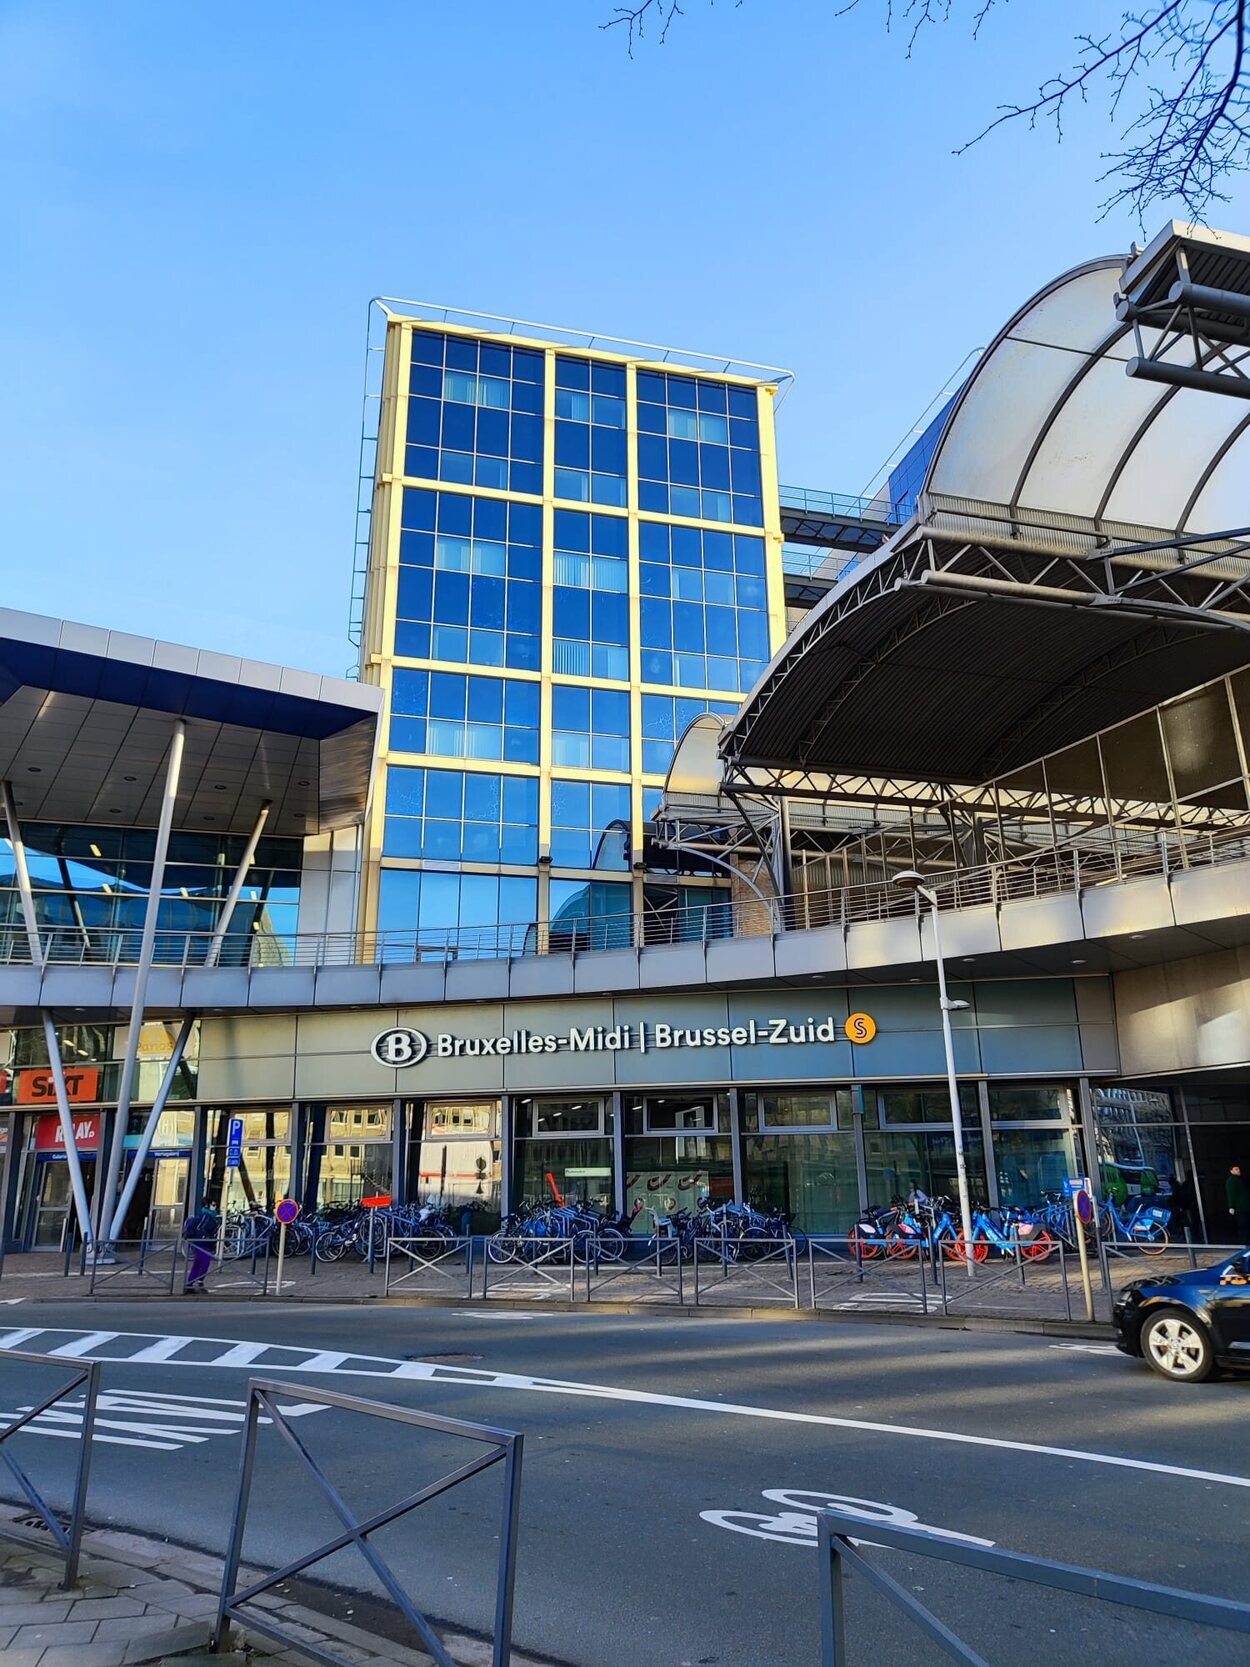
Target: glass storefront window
<point x="664" y="1113"/>
<point x="1043" y="1102"/>
<point x="559" y="1117"/>
<point x="1137" y="1142"/>
<point x="929" y="1104"/>
<point x="1030" y="1162"/>
<point x="898" y="1162"/>
<point x="263" y="1175"/>
<point x="567" y="1172"/>
<point x="670" y="1172"/>
<point x="354" y="1159"/>
<point x="797" y="1111"/>
<point x="810" y="1176"/>
<point x="456" y="1160"/>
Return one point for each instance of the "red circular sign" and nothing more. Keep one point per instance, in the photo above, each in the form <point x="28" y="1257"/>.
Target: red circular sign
<point x="1084" y="1207"/>
<point x="287" y="1211"/>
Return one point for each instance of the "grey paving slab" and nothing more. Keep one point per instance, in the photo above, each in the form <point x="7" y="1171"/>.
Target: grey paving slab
<point x="44" y="1635"/>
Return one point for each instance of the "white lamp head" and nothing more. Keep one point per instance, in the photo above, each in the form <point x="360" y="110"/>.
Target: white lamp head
<point x="908" y="879"/>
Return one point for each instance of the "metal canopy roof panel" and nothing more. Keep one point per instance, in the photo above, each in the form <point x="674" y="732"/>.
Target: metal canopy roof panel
<point x="1055" y="579"/>
<point x="86" y="718"/>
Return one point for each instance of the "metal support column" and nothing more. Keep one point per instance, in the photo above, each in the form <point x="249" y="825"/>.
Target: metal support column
<point x="1089" y="1135"/>
<point x="106" y="1182"/>
<point x="211" y="957"/>
<point x="858" y="1102"/>
<point x="618" y="1152"/>
<point x="507" y="1154"/>
<point x="735" y="1143"/>
<point x="987" y="1143"/>
<point x="72" y="1159"/>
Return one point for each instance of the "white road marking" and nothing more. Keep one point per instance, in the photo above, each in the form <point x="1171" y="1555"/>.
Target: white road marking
<point x="16" y="1339"/>
<point x="1086" y="1348"/>
<point x="798" y="1524"/>
<point x="158" y="1420"/>
<point x="487" y="1314"/>
<point x="163" y="1349"/>
<point x="383" y="1366"/>
<point x="241" y="1354"/>
<point x="85" y="1346"/>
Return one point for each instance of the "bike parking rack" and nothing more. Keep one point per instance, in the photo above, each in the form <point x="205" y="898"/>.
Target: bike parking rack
<point x="504" y="1447"/>
<point x="432" y="1259"/>
<point x="66" y="1535"/>
<point x="736" y="1264"/>
<point x="540" y="1268"/>
<point x="663" y="1263"/>
<point x="838" y="1536"/>
<point x="883" y="1276"/>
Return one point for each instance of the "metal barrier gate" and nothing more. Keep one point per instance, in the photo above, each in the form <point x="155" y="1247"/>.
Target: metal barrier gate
<point x="838" y="1551"/>
<point x="504" y="1447"/>
<point x="67" y="1535"/>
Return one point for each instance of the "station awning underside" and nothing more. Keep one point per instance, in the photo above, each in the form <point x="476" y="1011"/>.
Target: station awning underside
<point x="1079" y="554"/>
<point x="86" y="718"/>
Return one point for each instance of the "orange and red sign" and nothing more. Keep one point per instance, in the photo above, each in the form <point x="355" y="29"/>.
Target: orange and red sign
<point x="49" y="1138"/>
<point x="35" y="1088"/>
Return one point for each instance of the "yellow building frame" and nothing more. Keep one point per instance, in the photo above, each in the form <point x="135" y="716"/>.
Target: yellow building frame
<point x="378" y="660"/>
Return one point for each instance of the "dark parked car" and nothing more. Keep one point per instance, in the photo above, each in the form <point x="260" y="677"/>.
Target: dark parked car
<point x="1188" y="1325"/>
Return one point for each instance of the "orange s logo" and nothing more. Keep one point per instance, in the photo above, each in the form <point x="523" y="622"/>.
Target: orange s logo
<point x="860" y="1027"/>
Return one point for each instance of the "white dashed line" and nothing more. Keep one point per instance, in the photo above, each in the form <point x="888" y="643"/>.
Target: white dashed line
<point x="383" y="1367"/>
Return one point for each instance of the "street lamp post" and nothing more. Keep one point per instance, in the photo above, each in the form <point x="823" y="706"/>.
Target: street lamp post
<point x="911" y="881"/>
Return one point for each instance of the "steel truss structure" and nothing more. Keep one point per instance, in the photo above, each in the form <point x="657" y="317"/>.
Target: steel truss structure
<point x="1187" y="301"/>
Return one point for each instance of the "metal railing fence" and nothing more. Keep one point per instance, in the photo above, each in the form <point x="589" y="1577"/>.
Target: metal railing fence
<point x="263" y="1402"/>
<point x="67" y="1535"/>
<point x="1064" y="870"/>
<point x="838" y="1534"/>
<point x="429" y="1266"/>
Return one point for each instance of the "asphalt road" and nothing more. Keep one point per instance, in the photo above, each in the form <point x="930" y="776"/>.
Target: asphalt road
<point x="655" y="1449"/>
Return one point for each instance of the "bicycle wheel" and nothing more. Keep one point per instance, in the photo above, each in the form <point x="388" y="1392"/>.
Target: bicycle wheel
<point x="980" y="1250"/>
<point x="503" y="1247"/>
<point x="869" y="1246"/>
<point x="1151" y="1238"/>
<point x="1038" y="1247"/>
<point x="902" y="1247"/>
<point x="611" y="1244"/>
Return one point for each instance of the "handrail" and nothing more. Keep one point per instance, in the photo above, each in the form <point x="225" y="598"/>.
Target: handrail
<point x="67" y="1535"/>
<point x="839" y="1533"/>
<point x="263" y="1404"/>
<point x="1097" y="860"/>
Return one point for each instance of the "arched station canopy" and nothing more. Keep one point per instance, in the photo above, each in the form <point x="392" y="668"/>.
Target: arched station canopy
<point x="1079" y="553"/>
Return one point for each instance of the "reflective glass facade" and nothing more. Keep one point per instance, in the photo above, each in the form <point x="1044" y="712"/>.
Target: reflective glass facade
<point x="573" y="553"/>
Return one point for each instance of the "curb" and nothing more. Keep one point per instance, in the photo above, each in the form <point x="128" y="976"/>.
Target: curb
<point x="305" y="1630"/>
<point x="1102" y="1330"/>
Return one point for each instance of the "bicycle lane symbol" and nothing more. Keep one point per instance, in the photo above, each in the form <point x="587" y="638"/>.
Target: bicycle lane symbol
<point x="796" y="1525"/>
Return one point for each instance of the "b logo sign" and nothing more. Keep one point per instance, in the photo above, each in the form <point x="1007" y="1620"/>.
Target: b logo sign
<point x="397" y="1048"/>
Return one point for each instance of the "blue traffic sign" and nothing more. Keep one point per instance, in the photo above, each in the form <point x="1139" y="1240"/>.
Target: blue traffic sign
<point x="234" y="1143"/>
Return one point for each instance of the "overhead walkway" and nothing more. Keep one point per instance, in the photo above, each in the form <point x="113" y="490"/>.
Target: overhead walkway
<point x="1069" y="910"/>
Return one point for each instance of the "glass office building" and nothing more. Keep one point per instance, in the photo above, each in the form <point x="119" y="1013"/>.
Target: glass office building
<point x="573" y="551"/>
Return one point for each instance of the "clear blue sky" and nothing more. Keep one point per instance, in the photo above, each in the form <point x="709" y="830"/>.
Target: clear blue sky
<point x="200" y="199"/>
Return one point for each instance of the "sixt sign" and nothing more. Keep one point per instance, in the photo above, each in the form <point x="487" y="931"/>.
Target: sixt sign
<point x="402" y="1047"/>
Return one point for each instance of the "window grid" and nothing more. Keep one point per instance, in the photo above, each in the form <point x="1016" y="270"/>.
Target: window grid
<point x="704" y="607"/>
<point x="461" y="715"/>
<point x="475" y="413"/>
<point x="461" y="815"/>
<point x="591" y="446"/>
<point x="698" y="449"/>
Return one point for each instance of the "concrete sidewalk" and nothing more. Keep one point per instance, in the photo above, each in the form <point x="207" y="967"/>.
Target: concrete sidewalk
<point x="143" y="1601"/>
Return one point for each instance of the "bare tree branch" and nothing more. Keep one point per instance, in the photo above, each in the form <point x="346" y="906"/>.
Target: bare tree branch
<point x="1175" y="73"/>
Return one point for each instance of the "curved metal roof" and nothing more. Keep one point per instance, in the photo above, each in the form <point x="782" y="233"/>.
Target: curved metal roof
<point x="1055" y="578"/>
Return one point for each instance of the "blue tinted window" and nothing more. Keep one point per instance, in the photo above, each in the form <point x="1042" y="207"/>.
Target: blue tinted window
<point x="470" y="589"/>
<point x="590" y="600"/>
<point x="460" y="914"/>
<point x="704" y="608"/>
<point x="464" y="815"/>
<point x="475" y="413"/>
<point x="589" y="824"/>
<point x="698" y="450"/>
<point x="590" y="432"/>
<point x="590" y="728"/>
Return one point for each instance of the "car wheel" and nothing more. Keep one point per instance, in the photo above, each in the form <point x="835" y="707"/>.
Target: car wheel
<point x="1176" y="1345"/>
